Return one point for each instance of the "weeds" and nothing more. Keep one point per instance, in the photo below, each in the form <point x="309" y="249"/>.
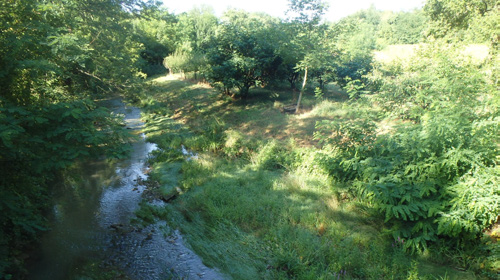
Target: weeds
<point x="258" y="207"/>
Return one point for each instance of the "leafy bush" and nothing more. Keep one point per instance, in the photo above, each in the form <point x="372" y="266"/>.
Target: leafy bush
<point x="409" y="174"/>
<point x="354" y="69"/>
<point x="348" y="135"/>
<point x="474" y="204"/>
<point x="36" y="143"/>
<point x="435" y="176"/>
<point x="440" y="76"/>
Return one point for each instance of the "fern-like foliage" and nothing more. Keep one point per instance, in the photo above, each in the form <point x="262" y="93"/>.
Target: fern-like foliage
<point x="436" y="178"/>
<point x="474" y="204"/>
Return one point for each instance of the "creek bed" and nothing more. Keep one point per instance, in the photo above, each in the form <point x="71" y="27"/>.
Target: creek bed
<point x="91" y="223"/>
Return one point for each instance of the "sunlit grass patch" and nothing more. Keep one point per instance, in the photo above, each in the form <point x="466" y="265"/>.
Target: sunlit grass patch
<point x="396" y="52"/>
<point x="327" y="108"/>
<point x="295" y="231"/>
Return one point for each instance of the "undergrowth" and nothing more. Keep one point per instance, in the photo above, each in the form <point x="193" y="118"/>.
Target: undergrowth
<point x="259" y="205"/>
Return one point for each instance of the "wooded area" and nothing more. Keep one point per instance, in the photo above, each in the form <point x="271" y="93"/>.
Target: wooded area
<point x="412" y="142"/>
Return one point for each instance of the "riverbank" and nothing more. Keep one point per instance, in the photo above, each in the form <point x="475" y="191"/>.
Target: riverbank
<point x="93" y="234"/>
<point x="256" y="203"/>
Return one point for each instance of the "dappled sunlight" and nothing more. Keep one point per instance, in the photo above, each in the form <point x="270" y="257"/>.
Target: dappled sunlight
<point x="396" y="53"/>
<point x="168" y="77"/>
<point x="192" y="103"/>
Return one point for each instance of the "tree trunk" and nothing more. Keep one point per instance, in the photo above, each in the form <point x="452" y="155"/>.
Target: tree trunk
<point x="244" y="91"/>
<point x="301" y="91"/>
<point x="321" y="83"/>
<point x="292" y="79"/>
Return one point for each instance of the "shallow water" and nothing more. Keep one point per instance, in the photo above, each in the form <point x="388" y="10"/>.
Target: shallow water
<point x="91" y="223"/>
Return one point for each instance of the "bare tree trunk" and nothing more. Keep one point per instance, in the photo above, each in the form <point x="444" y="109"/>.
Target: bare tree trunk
<point x="301" y="91"/>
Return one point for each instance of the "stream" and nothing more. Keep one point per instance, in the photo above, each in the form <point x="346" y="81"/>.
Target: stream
<point x="91" y="223"/>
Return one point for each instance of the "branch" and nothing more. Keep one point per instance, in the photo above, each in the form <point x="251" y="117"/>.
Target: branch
<point x="97" y="36"/>
<point x="90" y="75"/>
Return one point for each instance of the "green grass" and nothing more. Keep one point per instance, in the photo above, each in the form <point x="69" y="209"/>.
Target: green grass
<point x="257" y="203"/>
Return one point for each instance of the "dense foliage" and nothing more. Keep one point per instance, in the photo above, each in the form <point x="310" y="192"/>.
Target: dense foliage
<point x="156" y="31"/>
<point x="420" y="174"/>
<point x="242" y="53"/>
<point x="56" y="57"/>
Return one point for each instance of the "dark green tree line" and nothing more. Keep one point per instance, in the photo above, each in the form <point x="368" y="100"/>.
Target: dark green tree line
<point x="156" y="30"/>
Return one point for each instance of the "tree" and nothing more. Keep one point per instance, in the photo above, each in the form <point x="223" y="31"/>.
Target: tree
<point x="194" y="30"/>
<point x="452" y="15"/>
<point x="403" y="28"/>
<point x="196" y="27"/>
<point x="156" y="30"/>
<point x="305" y="15"/>
<point x="242" y="53"/>
<point x="355" y="40"/>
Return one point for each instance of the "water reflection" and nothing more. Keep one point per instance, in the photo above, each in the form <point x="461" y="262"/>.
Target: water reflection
<point x="91" y="222"/>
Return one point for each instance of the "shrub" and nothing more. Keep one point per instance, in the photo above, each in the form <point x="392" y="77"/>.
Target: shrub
<point x="431" y="179"/>
<point x="435" y="176"/>
<point x="348" y="135"/>
<point x="474" y="204"/>
<point x="440" y="76"/>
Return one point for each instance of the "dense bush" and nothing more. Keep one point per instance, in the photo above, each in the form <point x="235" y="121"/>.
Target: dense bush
<point x="432" y="176"/>
<point x="439" y="76"/>
<point x="274" y="155"/>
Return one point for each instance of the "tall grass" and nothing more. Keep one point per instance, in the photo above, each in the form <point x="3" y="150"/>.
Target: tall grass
<point x="258" y="207"/>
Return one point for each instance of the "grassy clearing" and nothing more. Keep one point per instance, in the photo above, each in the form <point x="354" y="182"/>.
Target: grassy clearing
<point x="257" y="203"/>
<point x="258" y="117"/>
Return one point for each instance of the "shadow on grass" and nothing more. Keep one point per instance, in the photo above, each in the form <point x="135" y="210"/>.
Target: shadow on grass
<point x="257" y="224"/>
<point x="261" y="224"/>
<point x="258" y="117"/>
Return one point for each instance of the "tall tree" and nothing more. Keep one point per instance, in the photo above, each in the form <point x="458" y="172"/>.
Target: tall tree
<point x="305" y="15"/>
<point x="449" y="15"/>
<point x="355" y="40"/>
<point x="156" y="30"/>
<point x="403" y="28"/>
<point x="196" y="27"/>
